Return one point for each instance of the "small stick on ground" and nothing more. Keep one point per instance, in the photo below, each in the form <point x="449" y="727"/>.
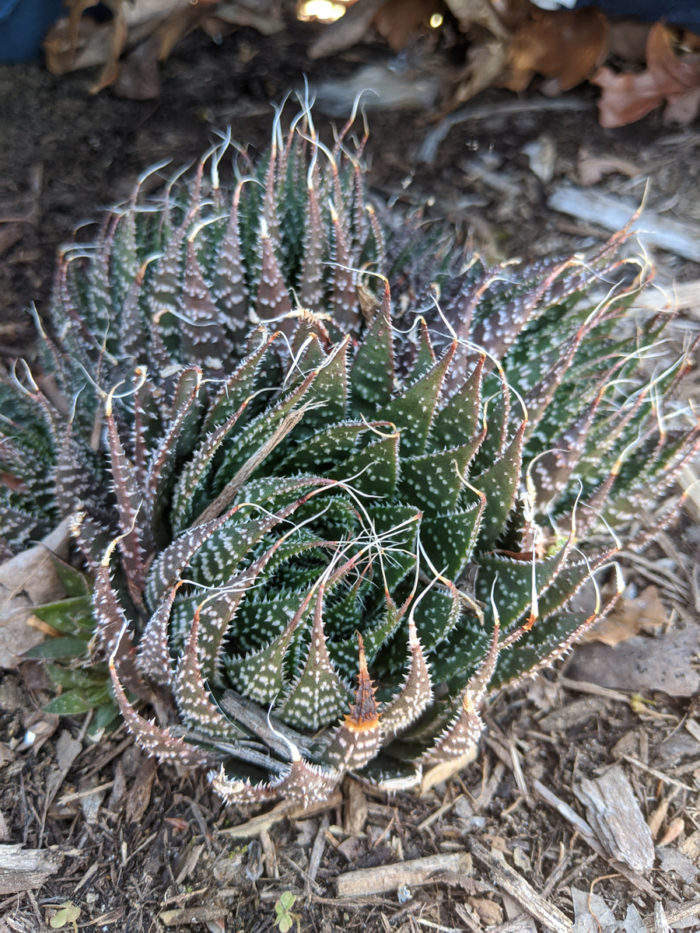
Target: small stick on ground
<point x="281" y="811"/>
<point x="366" y="881"/>
<point x="508" y="880"/>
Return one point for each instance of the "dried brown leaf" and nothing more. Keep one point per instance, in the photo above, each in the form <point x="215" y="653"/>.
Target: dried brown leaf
<point x="485" y="64"/>
<point x="266" y="18"/>
<point x="644" y="613"/>
<point x="27" y="580"/>
<point x="657" y="817"/>
<point x="565" y="45"/>
<point x="78" y="41"/>
<point x="118" y="38"/>
<point x="348" y="30"/>
<point x="469" y="13"/>
<point x="399" y="20"/>
<point x="673" y="831"/>
<point x="668" y="77"/>
<point x="642" y="664"/>
<point x="489" y="912"/>
<point x="627" y="40"/>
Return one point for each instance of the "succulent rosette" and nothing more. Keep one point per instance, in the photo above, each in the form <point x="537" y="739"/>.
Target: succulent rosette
<point x="332" y="479"/>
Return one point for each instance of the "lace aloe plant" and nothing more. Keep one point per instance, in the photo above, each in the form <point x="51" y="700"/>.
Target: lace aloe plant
<point x="331" y="482"/>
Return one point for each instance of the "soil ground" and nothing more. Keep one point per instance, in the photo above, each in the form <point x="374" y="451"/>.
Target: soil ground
<point x="142" y="849"/>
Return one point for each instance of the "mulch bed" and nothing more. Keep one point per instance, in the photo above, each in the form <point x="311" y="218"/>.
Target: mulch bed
<point x="507" y="845"/>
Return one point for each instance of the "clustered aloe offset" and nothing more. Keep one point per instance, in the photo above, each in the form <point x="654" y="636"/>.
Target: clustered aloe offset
<point x="330" y="482"/>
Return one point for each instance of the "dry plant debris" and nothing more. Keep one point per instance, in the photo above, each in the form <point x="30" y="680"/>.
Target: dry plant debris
<point x="23" y="869"/>
<point x="633" y="613"/>
<point x="141" y="34"/>
<point x="25" y="581"/>
<point x="503" y="45"/>
<point x="126" y="874"/>
<point x="616" y="818"/>
<point x="509" y="43"/>
<point x="472" y="853"/>
<point x="641" y="663"/>
<point x="671" y="77"/>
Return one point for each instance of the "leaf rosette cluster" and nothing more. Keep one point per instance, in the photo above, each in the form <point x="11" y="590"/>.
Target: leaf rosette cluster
<point x="332" y="479"/>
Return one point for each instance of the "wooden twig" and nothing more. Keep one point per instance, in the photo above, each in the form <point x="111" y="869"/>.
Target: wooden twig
<point x="436" y="814"/>
<point x="185" y="916"/>
<point x="487" y="793"/>
<point x="367" y="881"/>
<point x="584" y="686"/>
<point x="659" y="775"/>
<point x="682" y="913"/>
<point x="611" y="213"/>
<point x="670" y="297"/>
<point x="508" y="880"/>
<point x="569" y="814"/>
<point x="282" y="811"/>
<point x="429" y="147"/>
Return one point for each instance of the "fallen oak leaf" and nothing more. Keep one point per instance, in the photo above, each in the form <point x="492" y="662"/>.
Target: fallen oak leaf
<point x="667" y="79"/>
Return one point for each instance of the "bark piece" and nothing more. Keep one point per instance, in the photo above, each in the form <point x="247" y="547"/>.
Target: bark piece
<point x="617" y="820"/>
<point x="681" y="865"/>
<point x="573" y="714"/>
<point x="591" y="912"/>
<point x="508" y="880"/>
<point x="25" y="869"/>
<point x="355" y="809"/>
